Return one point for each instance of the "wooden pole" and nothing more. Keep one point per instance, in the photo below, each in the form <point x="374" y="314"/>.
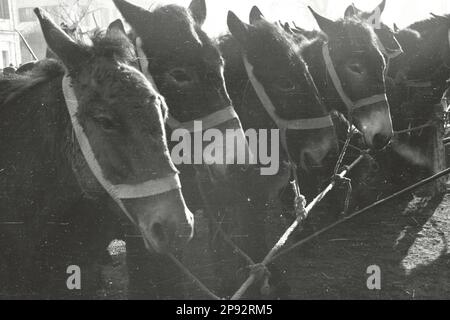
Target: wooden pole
<point x="437" y="147"/>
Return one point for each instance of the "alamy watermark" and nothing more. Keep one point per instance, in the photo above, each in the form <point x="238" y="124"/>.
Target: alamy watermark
<point x="74" y="280"/>
<point x="374" y="279"/>
<point x="228" y="147"/>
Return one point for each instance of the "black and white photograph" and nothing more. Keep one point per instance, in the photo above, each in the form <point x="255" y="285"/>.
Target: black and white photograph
<point x="240" y="151"/>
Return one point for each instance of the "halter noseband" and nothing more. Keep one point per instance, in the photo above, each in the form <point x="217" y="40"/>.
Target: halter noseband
<point x="208" y="122"/>
<point x="351" y="105"/>
<point x="297" y="124"/>
<point x="117" y="192"/>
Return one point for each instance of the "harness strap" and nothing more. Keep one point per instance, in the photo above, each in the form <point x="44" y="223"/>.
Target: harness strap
<point x="390" y="55"/>
<point x="117" y="192"/>
<point x="296" y="124"/>
<point x="351" y="106"/>
<point x="208" y="122"/>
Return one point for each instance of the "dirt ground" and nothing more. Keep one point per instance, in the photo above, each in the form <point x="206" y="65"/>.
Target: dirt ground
<point x="407" y="239"/>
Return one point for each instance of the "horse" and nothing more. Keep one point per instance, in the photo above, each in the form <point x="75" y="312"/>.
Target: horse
<point x="349" y="70"/>
<point x="88" y="127"/>
<point x="187" y="68"/>
<point x="419" y="81"/>
<point x="272" y="88"/>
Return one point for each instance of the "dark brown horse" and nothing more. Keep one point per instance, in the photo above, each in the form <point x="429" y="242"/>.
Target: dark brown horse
<point x="187" y="68"/>
<point x="349" y="70"/>
<point x="91" y="127"/>
<point x="271" y="87"/>
<point x="420" y="78"/>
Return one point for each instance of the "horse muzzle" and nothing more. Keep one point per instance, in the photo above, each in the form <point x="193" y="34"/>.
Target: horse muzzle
<point x="375" y="123"/>
<point x="165" y="222"/>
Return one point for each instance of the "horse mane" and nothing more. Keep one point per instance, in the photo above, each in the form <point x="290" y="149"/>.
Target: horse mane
<point x="103" y="45"/>
<point x="308" y="34"/>
<point x="431" y="23"/>
<point x="12" y="88"/>
<point x="271" y="33"/>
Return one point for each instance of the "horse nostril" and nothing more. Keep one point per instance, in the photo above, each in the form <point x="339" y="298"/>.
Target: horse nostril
<point x="380" y="141"/>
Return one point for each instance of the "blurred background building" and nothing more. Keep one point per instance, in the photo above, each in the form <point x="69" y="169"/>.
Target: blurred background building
<point x="9" y="39"/>
<point x="86" y="15"/>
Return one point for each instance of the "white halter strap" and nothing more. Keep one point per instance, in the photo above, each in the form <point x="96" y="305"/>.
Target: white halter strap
<point x="351" y="106"/>
<point x="297" y="124"/>
<point x="117" y="192"/>
<point x="390" y="55"/>
<point x="208" y="122"/>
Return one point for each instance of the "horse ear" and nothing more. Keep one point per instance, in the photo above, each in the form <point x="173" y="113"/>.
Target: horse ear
<point x="255" y="15"/>
<point x="238" y="29"/>
<point x="116" y="29"/>
<point x="351" y="11"/>
<point x="287" y="28"/>
<point x="70" y="53"/>
<point x="326" y="25"/>
<point x="380" y="8"/>
<point x="137" y="17"/>
<point x="198" y="11"/>
<point x="396" y="28"/>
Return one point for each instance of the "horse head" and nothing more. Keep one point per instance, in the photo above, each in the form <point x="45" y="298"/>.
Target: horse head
<point x="387" y="41"/>
<point x="356" y="67"/>
<point x="188" y="70"/>
<point x="285" y="88"/>
<point x="118" y="118"/>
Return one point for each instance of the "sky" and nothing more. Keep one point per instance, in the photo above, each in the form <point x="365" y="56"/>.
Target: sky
<point x="402" y="12"/>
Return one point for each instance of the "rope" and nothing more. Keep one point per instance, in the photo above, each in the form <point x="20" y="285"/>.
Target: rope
<point x="418" y="128"/>
<point x="362" y="211"/>
<point x="231" y="243"/>
<point x="340" y="179"/>
<point x="284" y="238"/>
<point x="194" y="278"/>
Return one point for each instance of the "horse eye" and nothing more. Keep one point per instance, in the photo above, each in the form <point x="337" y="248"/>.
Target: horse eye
<point x="285" y="84"/>
<point x="105" y="123"/>
<point x="180" y="75"/>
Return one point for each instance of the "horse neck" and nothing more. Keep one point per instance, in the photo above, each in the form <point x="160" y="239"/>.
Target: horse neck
<point x="35" y="134"/>
<point x="428" y="61"/>
<point x="313" y="56"/>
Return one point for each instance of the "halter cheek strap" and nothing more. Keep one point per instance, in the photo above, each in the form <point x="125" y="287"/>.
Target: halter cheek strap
<point x="208" y="122"/>
<point x="297" y="124"/>
<point x="390" y="55"/>
<point x="117" y="192"/>
<point x="351" y="106"/>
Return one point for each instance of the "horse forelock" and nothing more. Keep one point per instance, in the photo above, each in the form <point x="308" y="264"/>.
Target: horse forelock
<point x="282" y="46"/>
<point x="118" y="48"/>
<point x="173" y="25"/>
